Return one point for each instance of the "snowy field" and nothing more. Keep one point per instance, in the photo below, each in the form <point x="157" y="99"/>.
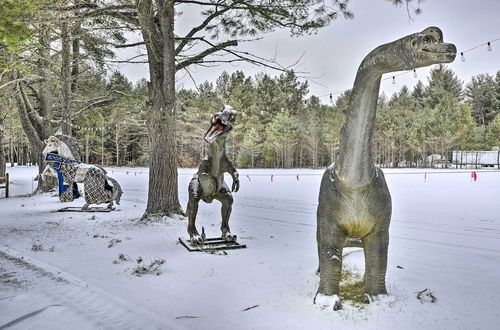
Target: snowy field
<point x="445" y="237"/>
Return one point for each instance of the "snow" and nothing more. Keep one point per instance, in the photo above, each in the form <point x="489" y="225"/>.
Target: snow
<point x="445" y="234"/>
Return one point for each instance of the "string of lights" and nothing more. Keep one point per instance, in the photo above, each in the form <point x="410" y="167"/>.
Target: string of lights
<point x="393" y="77"/>
<point x="331" y="94"/>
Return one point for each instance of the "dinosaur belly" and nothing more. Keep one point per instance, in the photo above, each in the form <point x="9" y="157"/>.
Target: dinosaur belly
<point x="357" y="212"/>
<point x="209" y="187"/>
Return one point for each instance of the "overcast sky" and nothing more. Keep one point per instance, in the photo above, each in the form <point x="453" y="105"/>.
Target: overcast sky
<point x="333" y="55"/>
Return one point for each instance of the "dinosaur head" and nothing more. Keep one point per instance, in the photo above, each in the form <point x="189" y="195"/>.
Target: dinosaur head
<point x="428" y="48"/>
<point x="221" y="124"/>
<point x="413" y="51"/>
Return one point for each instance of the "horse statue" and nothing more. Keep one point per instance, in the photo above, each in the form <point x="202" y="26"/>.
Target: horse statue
<point x="63" y="165"/>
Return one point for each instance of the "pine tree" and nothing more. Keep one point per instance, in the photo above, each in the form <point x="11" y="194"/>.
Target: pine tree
<point x="482" y="97"/>
<point x="442" y="81"/>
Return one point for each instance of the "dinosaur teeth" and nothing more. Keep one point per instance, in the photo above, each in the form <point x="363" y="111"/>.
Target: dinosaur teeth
<point x="217" y="128"/>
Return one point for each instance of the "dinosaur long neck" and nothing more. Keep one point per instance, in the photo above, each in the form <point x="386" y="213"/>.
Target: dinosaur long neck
<point x="354" y="166"/>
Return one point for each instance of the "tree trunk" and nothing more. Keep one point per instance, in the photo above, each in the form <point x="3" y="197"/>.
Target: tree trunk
<point x="2" y="154"/>
<point x="117" y="144"/>
<point x="87" y="151"/>
<point x="66" y="79"/>
<point x="33" y="133"/>
<point x="159" y="36"/>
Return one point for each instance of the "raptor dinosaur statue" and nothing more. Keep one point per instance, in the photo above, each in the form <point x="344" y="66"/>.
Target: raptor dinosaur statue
<point x="354" y="201"/>
<point x="208" y="183"/>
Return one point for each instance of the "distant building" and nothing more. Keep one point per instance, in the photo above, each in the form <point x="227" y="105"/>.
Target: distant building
<point x="477" y="158"/>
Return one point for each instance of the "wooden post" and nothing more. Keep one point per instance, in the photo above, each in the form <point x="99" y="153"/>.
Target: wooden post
<point x="6" y="186"/>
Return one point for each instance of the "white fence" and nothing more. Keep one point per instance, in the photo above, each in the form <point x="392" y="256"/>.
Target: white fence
<point x="477" y="158"/>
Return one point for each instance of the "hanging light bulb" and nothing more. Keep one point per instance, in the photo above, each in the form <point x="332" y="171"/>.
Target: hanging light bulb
<point x="489" y="46"/>
<point x="462" y="56"/>
<point x="414" y="73"/>
<point x="394" y="80"/>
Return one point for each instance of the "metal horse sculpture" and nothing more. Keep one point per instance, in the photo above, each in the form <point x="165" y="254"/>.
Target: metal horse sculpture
<point x="354" y="201"/>
<point x="208" y="184"/>
<point x="68" y="171"/>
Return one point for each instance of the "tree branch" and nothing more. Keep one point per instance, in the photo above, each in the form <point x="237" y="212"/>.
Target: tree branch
<point x="198" y="28"/>
<point x="95" y="104"/>
<point x="30" y="131"/>
<point x="34" y="118"/>
<point x="199" y="57"/>
<point x="15" y="81"/>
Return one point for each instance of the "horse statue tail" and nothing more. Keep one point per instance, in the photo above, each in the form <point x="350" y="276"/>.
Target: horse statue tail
<point x="117" y="190"/>
<point x="102" y="169"/>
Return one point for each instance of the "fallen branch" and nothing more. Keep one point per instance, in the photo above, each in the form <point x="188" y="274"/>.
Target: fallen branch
<point x="421" y="295"/>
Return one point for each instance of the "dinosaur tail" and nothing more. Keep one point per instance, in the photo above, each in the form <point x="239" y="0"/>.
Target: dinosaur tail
<point x="117" y="190"/>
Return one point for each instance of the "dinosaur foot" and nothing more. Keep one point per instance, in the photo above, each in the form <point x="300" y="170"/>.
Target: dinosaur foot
<point x="228" y="237"/>
<point x="369" y="299"/>
<point x="328" y="302"/>
<point x="197" y="239"/>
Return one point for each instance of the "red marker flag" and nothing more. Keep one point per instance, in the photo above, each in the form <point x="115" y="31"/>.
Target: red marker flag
<point x="474" y="176"/>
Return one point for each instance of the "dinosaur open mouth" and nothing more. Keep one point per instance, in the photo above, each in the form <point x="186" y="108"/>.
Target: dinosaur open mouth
<point x="217" y="128"/>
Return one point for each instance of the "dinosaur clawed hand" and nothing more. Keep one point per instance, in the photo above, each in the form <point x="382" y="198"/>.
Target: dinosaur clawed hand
<point x="236" y="186"/>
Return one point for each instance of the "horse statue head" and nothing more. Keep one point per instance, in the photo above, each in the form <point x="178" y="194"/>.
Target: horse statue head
<point x="62" y="145"/>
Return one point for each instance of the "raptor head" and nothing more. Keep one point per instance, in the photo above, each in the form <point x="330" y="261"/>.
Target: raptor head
<point x="221" y="124"/>
<point x="413" y="51"/>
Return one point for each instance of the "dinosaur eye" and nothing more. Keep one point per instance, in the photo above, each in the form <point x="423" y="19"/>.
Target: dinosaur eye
<point x="427" y="39"/>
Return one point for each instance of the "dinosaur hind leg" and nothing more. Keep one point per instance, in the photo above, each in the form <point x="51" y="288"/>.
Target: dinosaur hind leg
<point x="192" y="211"/>
<point x="375" y="248"/>
<point x="226" y="199"/>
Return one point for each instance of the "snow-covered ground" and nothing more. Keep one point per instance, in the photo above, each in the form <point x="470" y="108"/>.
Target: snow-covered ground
<point x="445" y="236"/>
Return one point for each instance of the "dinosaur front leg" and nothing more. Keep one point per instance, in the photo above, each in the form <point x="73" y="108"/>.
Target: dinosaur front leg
<point x="375" y="248"/>
<point x="226" y="198"/>
<point x="330" y="244"/>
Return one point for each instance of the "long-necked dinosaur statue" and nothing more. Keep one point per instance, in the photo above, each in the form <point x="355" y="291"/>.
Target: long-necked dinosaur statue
<point x="208" y="183"/>
<point x="354" y="201"/>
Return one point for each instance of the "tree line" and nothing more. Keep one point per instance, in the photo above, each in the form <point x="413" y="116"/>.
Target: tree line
<point x="281" y="126"/>
<point x="278" y="124"/>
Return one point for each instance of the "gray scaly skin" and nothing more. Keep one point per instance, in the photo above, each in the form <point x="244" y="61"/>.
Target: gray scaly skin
<point x="354" y="201"/>
<point x="208" y="183"/>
